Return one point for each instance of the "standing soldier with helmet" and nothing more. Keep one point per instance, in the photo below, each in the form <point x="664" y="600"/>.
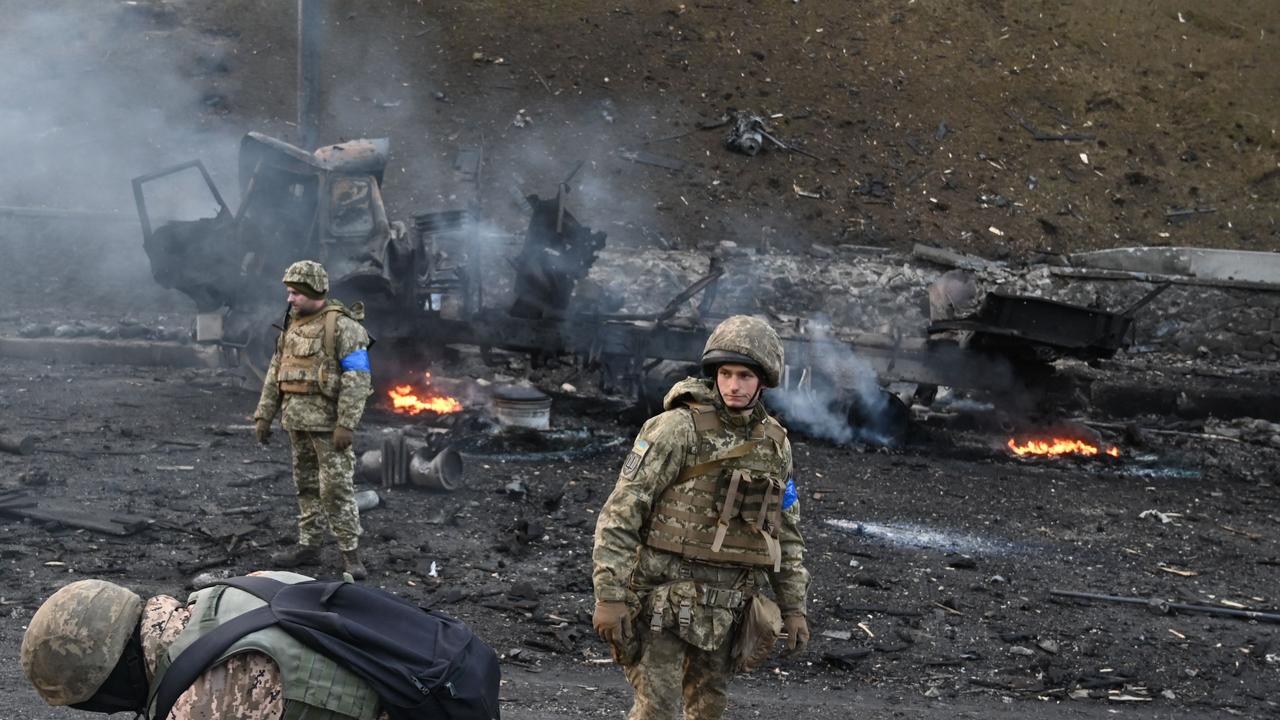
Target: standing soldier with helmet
<point x="318" y="380"/>
<point x="703" y="516"/>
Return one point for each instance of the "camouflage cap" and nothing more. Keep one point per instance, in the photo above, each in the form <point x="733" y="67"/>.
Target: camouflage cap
<point x="309" y="274"/>
<point x="76" y="638"/>
<point x="749" y="341"/>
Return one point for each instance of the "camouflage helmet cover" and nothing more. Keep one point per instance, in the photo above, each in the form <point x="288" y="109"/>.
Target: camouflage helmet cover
<point x="76" y="638"/>
<point x="749" y="341"/>
<point x="308" y="273"/>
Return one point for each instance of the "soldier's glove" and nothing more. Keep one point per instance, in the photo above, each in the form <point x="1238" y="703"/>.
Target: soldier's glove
<point x="262" y="428"/>
<point x="797" y="629"/>
<point x="612" y="621"/>
<point x="341" y="438"/>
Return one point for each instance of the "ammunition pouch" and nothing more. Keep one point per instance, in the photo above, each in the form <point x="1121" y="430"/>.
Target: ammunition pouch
<point x="700" y="615"/>
<point x="760" y="629"/>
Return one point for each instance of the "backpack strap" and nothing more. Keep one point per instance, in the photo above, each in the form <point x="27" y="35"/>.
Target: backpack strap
<point x="705" y="417"/>
<point x="193" y="661"/>
<point x="263" y="588"/>
<point x="774" y="430"/>
<point x="330" y="331"/>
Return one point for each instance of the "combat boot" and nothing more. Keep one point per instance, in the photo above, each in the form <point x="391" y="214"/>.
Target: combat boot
<point x="352" y="565"/>
<point x="295" y="556"/>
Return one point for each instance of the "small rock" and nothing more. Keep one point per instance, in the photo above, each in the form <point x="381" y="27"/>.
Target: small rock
<point x="1019" y="650"/>
<point x="209" y="577"/>
<point x="1047" y="645"/>
<point x="35" y="477"/>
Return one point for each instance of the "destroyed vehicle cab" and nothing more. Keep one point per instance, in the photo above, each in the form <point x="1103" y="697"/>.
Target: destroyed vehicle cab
<point x="324" y="205"/>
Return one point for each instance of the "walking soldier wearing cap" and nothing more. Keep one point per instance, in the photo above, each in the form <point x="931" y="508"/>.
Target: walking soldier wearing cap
<point x="703" y="517"/>
<point x="318" y="381"/>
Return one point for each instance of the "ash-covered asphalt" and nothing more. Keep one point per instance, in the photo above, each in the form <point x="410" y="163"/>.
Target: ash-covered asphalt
<point x="924" y="627"/>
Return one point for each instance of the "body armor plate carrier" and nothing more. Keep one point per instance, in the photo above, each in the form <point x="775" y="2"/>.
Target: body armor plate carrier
<point x="725" y="507"/>
<point x="308" y="358"/>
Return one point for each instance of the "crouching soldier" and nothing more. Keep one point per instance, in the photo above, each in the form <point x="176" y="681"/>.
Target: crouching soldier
<point x="703" y="516"/>
<point x="96" y="646"/>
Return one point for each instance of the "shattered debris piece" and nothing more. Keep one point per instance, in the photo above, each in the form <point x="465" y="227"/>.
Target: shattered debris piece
<point x="1163" y="517"/>
<point x="647" y="158"/>
<point x="1174" y="570"/>
<point x="521" y="119"/>
<point x="805" y="193"/>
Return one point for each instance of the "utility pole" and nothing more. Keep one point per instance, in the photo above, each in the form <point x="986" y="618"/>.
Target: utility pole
<point x="310" y="25"/>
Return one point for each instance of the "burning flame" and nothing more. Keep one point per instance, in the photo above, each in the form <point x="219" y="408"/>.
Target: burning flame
<point x="1059" y="446"/>
<point x="404" y="399"/>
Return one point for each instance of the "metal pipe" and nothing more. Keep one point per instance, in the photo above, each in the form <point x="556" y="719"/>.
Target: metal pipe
<point x="1165" y="606"/>
<point x="64" y="213"/>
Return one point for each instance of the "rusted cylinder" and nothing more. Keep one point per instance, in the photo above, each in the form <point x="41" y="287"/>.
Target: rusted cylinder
<point x="369" y="469"/>
<point x="443" y="472"/>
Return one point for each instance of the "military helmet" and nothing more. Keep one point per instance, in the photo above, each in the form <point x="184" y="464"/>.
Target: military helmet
<point x="76" y="638"/>
<point x="747" y="341"/>
<point x="310" y="274"/>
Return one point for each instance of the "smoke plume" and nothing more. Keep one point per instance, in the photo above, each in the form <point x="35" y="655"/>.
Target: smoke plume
<point x="833" y="389"/>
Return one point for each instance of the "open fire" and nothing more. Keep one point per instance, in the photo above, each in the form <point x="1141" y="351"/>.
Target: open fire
<point x="408" y="400"/>
<point x="1052" y="447"/>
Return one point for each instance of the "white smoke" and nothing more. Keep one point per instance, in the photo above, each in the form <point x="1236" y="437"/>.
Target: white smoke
<point x="92" y="95"/>
<point x="819" y="395"/>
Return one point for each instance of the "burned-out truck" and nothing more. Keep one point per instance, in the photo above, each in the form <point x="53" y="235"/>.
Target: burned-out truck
<point x="327" y="205"/>
<point x="294" y="204"/>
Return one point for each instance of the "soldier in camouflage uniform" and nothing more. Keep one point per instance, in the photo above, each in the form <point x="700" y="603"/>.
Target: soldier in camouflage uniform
<point x="318" y="381"/>
<point x="96" y="646"/>
<point x="703" y="515"/>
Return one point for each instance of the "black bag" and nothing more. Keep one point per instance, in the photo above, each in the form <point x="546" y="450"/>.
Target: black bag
<point x="423" y="665"/>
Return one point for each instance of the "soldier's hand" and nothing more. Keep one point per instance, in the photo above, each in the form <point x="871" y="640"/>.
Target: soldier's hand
<point x="341" y="438"/>
<point x="612" y="621"/>
<point x="262" y="428"/>
<point x="797" y="629"/>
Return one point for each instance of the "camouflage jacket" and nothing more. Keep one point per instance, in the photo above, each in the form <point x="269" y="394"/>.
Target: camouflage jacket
<point x="319" y="412"/>
<point x="669" y="441"/>
<point x="246" y="687"/>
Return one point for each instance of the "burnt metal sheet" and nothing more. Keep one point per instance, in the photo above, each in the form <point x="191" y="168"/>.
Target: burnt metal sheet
<point x="1017" y="323"/>
<point x="359" y="156"/>
<point x="907" y="361"/>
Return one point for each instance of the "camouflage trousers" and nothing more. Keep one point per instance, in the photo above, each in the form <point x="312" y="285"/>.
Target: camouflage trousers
<point x="675" y="663"/>
<point x="670" y="670"/>
<point x="326" y="494"/>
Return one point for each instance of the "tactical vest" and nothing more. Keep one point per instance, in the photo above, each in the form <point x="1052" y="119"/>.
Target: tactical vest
<point x="308" y="358"/>
<point x="315" y="687"/>
<point x="726" y="505"/>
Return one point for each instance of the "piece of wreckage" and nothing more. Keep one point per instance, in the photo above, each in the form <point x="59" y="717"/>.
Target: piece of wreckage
<point x="327" y="205"/>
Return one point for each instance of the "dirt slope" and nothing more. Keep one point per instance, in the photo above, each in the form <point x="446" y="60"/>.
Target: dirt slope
<point x="917" y="109"/>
